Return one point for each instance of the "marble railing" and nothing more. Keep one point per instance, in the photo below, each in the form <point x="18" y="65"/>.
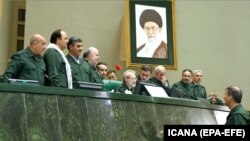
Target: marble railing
<point x="33" y="113"/>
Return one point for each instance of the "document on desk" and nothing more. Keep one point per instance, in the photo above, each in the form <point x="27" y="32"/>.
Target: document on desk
<point x="156" y="91"/>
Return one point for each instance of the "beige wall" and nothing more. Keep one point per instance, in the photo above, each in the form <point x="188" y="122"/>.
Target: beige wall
<point x="4" y="33"/>
<point x="211" y="35"/>
<point x="8" y="30"/>
<point x="214" y="36"/>
<point x="1" y="2"/>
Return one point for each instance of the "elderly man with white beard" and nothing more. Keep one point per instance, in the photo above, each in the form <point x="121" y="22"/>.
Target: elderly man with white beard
<point x="129" y="82"/>
<point x="155" y="47"/>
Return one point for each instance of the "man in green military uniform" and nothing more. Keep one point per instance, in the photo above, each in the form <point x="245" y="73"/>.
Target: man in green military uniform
<point x="75" y="47"/>
<point x="183" y="88"/>
<point x="28" y="64"/>
<point x="92" y="57"/>
<point x="58" y="67"/>
<point x="238" y="115"/>
<point x="199" y="90"/>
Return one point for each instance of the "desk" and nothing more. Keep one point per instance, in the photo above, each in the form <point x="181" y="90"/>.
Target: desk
<point x="54" y="114"/>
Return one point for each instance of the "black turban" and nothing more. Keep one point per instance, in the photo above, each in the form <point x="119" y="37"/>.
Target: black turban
<point x="150" y="15"/>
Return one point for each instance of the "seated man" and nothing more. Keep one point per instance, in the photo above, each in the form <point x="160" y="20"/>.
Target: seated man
<point x="102" y="68"/>
<point x="199" y="90"/>
<point x="28" y="64"/>
<point x="213" y="99"/>
<point x="111" y="74"/>
<point x="129" y="82"/>
<point x="146" y="71"/>
<point x="183" y="88"/>
<point x="159" y="79"/>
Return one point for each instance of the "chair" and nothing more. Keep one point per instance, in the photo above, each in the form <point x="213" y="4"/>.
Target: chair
<point x="109" y="85"/>
<point x="1" y="78"/>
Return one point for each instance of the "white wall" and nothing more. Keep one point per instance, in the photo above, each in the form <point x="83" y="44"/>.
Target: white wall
<point x="211" y="35"/>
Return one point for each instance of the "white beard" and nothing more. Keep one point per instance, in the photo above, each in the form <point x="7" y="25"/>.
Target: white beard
<point x="150" y="46"/>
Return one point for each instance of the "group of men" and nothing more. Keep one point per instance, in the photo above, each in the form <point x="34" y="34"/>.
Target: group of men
<point x="186" y="88"/>
<point x="51" y="67"/>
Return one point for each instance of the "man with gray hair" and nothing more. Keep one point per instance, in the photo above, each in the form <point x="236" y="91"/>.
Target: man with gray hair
<point x="199" y="90"/>
<point x="129" y="82"/>
<point x="159" y="78"/>
<point x="92" y="58"/>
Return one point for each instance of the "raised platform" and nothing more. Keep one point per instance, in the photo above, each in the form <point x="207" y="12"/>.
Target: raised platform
<point x="33" y="113"/>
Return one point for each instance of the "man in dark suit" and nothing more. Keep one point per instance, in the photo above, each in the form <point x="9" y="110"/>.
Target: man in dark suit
<point x="145" y="73"/>
<point x="129" y="82"/>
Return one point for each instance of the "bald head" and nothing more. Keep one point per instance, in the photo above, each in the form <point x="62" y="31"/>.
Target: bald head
<point x="35" y="38"/>
<point x="37" y="44"/>
<point x="235" y="92"/>
<point x="92" y="55"/>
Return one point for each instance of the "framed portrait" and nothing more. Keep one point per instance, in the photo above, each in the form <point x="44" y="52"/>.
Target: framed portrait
<point x="150" y="33"/>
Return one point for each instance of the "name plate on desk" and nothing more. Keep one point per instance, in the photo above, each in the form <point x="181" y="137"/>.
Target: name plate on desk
<point x="23" y="82"/>
<point x="89" y="86"/>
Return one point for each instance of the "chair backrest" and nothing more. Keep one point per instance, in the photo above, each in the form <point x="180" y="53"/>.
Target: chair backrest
<point x="109" y="85"/>
<point x="1" y="78"/>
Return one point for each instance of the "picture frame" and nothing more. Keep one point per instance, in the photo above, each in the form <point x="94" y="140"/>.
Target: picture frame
<point x="143" y="46"/>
